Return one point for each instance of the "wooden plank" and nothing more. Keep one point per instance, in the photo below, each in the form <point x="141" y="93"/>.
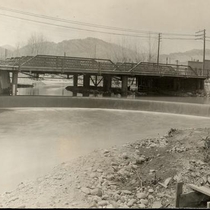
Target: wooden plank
<point x="193" y="199"/>
<point x="178" y="193"/>
<point x="202" y="189"/>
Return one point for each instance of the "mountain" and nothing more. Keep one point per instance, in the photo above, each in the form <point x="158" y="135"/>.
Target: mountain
<point x="5" y="53"/>
<point x="8" y="47"/>
<point x="92" y="47"/>
<point x="184" y="57"/>
<point x="89" y="47"/>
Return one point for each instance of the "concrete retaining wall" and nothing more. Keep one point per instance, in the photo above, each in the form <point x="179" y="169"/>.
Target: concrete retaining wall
<point x="105" y="103"/>
<point x="4" y="83"/>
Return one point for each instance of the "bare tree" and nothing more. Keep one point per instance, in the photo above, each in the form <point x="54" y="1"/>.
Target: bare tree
<point x="151" y="50"/>
<point x="35" y="44"/>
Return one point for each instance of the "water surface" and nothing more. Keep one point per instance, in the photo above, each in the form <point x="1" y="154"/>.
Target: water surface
<point x="34" y="140"/>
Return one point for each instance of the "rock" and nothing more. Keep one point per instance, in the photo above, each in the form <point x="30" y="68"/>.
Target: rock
<point x="140" y="160"/>
<point x="93" y="175"/>
<point x="150" y="197"/>
<point x="150" y="190"/>
<point x="160" y="195"/>
<point x="166" y="182"/>
<point x="110" y="177"/>
<point x="134" y="166"/>
<point x="131" y="202"/>
<point x="152" y="145"/>
<point x="110" y="206"/>
<point x="96" y="199"/>
<point x="123" y="199"/>
<point x="114" y="203"/>
<point x="208" y="179"/>
<point x="21" y="207"/>
<point x="127" y="192"/>
<point x="102" y="203"/>
<point x="105" y="197"/>
<point x="144" y="201"/>
<point x="123" y="172"/>
<point x="116" y="197"/>
<point x="99" y="170"/>
<point x="141" y="195"/>
<point x="85" y="190"/>
<point x="133" y="182"/>
<point x="97" y="192"/>
<point x="137" y="152"/>
<point x="199" y="162"/>
<point x="141" y="205"/>
<point x="157" y="204"/>
<point x="114" y="164"/>
<point x="125" y="156"/>
<point x="204" y="179"/>
<point x="106" y="151"/>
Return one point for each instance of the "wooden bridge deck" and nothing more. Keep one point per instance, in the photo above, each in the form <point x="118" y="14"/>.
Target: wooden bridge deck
<point x="78" y="65"/>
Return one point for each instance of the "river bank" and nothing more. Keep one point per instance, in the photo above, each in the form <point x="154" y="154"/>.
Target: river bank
<point x="139" y="174"/>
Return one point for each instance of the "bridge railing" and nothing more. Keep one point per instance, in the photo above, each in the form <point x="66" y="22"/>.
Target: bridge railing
<point x="163" y="69"/>
<point x="75" y="63"/>
<point x="63" y="63"/>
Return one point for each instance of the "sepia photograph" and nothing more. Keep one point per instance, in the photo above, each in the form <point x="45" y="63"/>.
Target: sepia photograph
<point x="105" y="104"/>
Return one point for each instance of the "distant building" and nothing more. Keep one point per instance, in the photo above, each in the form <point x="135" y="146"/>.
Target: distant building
<point x="198" y="66"/>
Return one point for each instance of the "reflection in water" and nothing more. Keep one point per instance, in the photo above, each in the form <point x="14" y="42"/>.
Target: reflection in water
<point x="57" y="88"/>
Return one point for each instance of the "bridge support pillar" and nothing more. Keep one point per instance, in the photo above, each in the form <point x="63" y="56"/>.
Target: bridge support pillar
<point x="86" y="81"/>
<point x="201" y="84"/>
<point x="37" y="75"/>
<point x="124" y="85"/>
<point x="14" y="83"/>
<point x="75" y="80"/>
<point x="137" y="83"/>
<point x="96" y="81"/>
<point x="107" y="82"/>
<point x="75" y="83"/>
<point x="86" y="84"/>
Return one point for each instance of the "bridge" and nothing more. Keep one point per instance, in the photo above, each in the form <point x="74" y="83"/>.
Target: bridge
<point x="170" y="76"/>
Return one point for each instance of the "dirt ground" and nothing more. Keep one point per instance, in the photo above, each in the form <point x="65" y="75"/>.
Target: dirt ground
<point x="136" y="175"/>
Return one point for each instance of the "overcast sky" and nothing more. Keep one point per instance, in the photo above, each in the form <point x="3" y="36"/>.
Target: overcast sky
<point x="165" y="16"/>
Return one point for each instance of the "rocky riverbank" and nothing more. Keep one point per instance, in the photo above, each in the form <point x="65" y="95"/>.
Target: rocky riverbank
<point x="136" y="175"/>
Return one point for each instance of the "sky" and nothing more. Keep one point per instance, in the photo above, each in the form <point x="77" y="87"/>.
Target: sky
<point x="159" y="16"/>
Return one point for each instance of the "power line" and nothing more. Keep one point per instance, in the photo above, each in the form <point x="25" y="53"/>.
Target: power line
<point x="76" y="22"/>
<point x="70" y="27"/>
<point x="178" y="38"/>
<point x="97" y="26"/>
<point x="88" y="24"/>
<point x="171" y="34"/>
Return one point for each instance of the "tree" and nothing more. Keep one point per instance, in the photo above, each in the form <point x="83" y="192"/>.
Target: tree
<point x="35" y="44"/>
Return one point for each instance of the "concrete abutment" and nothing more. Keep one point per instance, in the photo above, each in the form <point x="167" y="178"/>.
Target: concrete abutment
<point x="5" y="87"/>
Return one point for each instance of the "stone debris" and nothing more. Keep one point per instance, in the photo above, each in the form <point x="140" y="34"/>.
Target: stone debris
<point x="138" y="175"/>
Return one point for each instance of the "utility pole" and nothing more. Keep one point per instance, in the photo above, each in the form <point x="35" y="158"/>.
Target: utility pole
<point x="202" y="35"/>
<point x="158" y="54"/>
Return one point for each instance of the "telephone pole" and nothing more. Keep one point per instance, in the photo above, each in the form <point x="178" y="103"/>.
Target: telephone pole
<point x="202" y="36"/>
<point x="158" y="54"/>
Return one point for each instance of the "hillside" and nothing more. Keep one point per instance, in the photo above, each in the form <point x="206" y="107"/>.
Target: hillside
<point x="89" y="47"/>
<point x="183" y="57"/>
<point x="5" y="52"/>
<point x="92" y="47"/>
